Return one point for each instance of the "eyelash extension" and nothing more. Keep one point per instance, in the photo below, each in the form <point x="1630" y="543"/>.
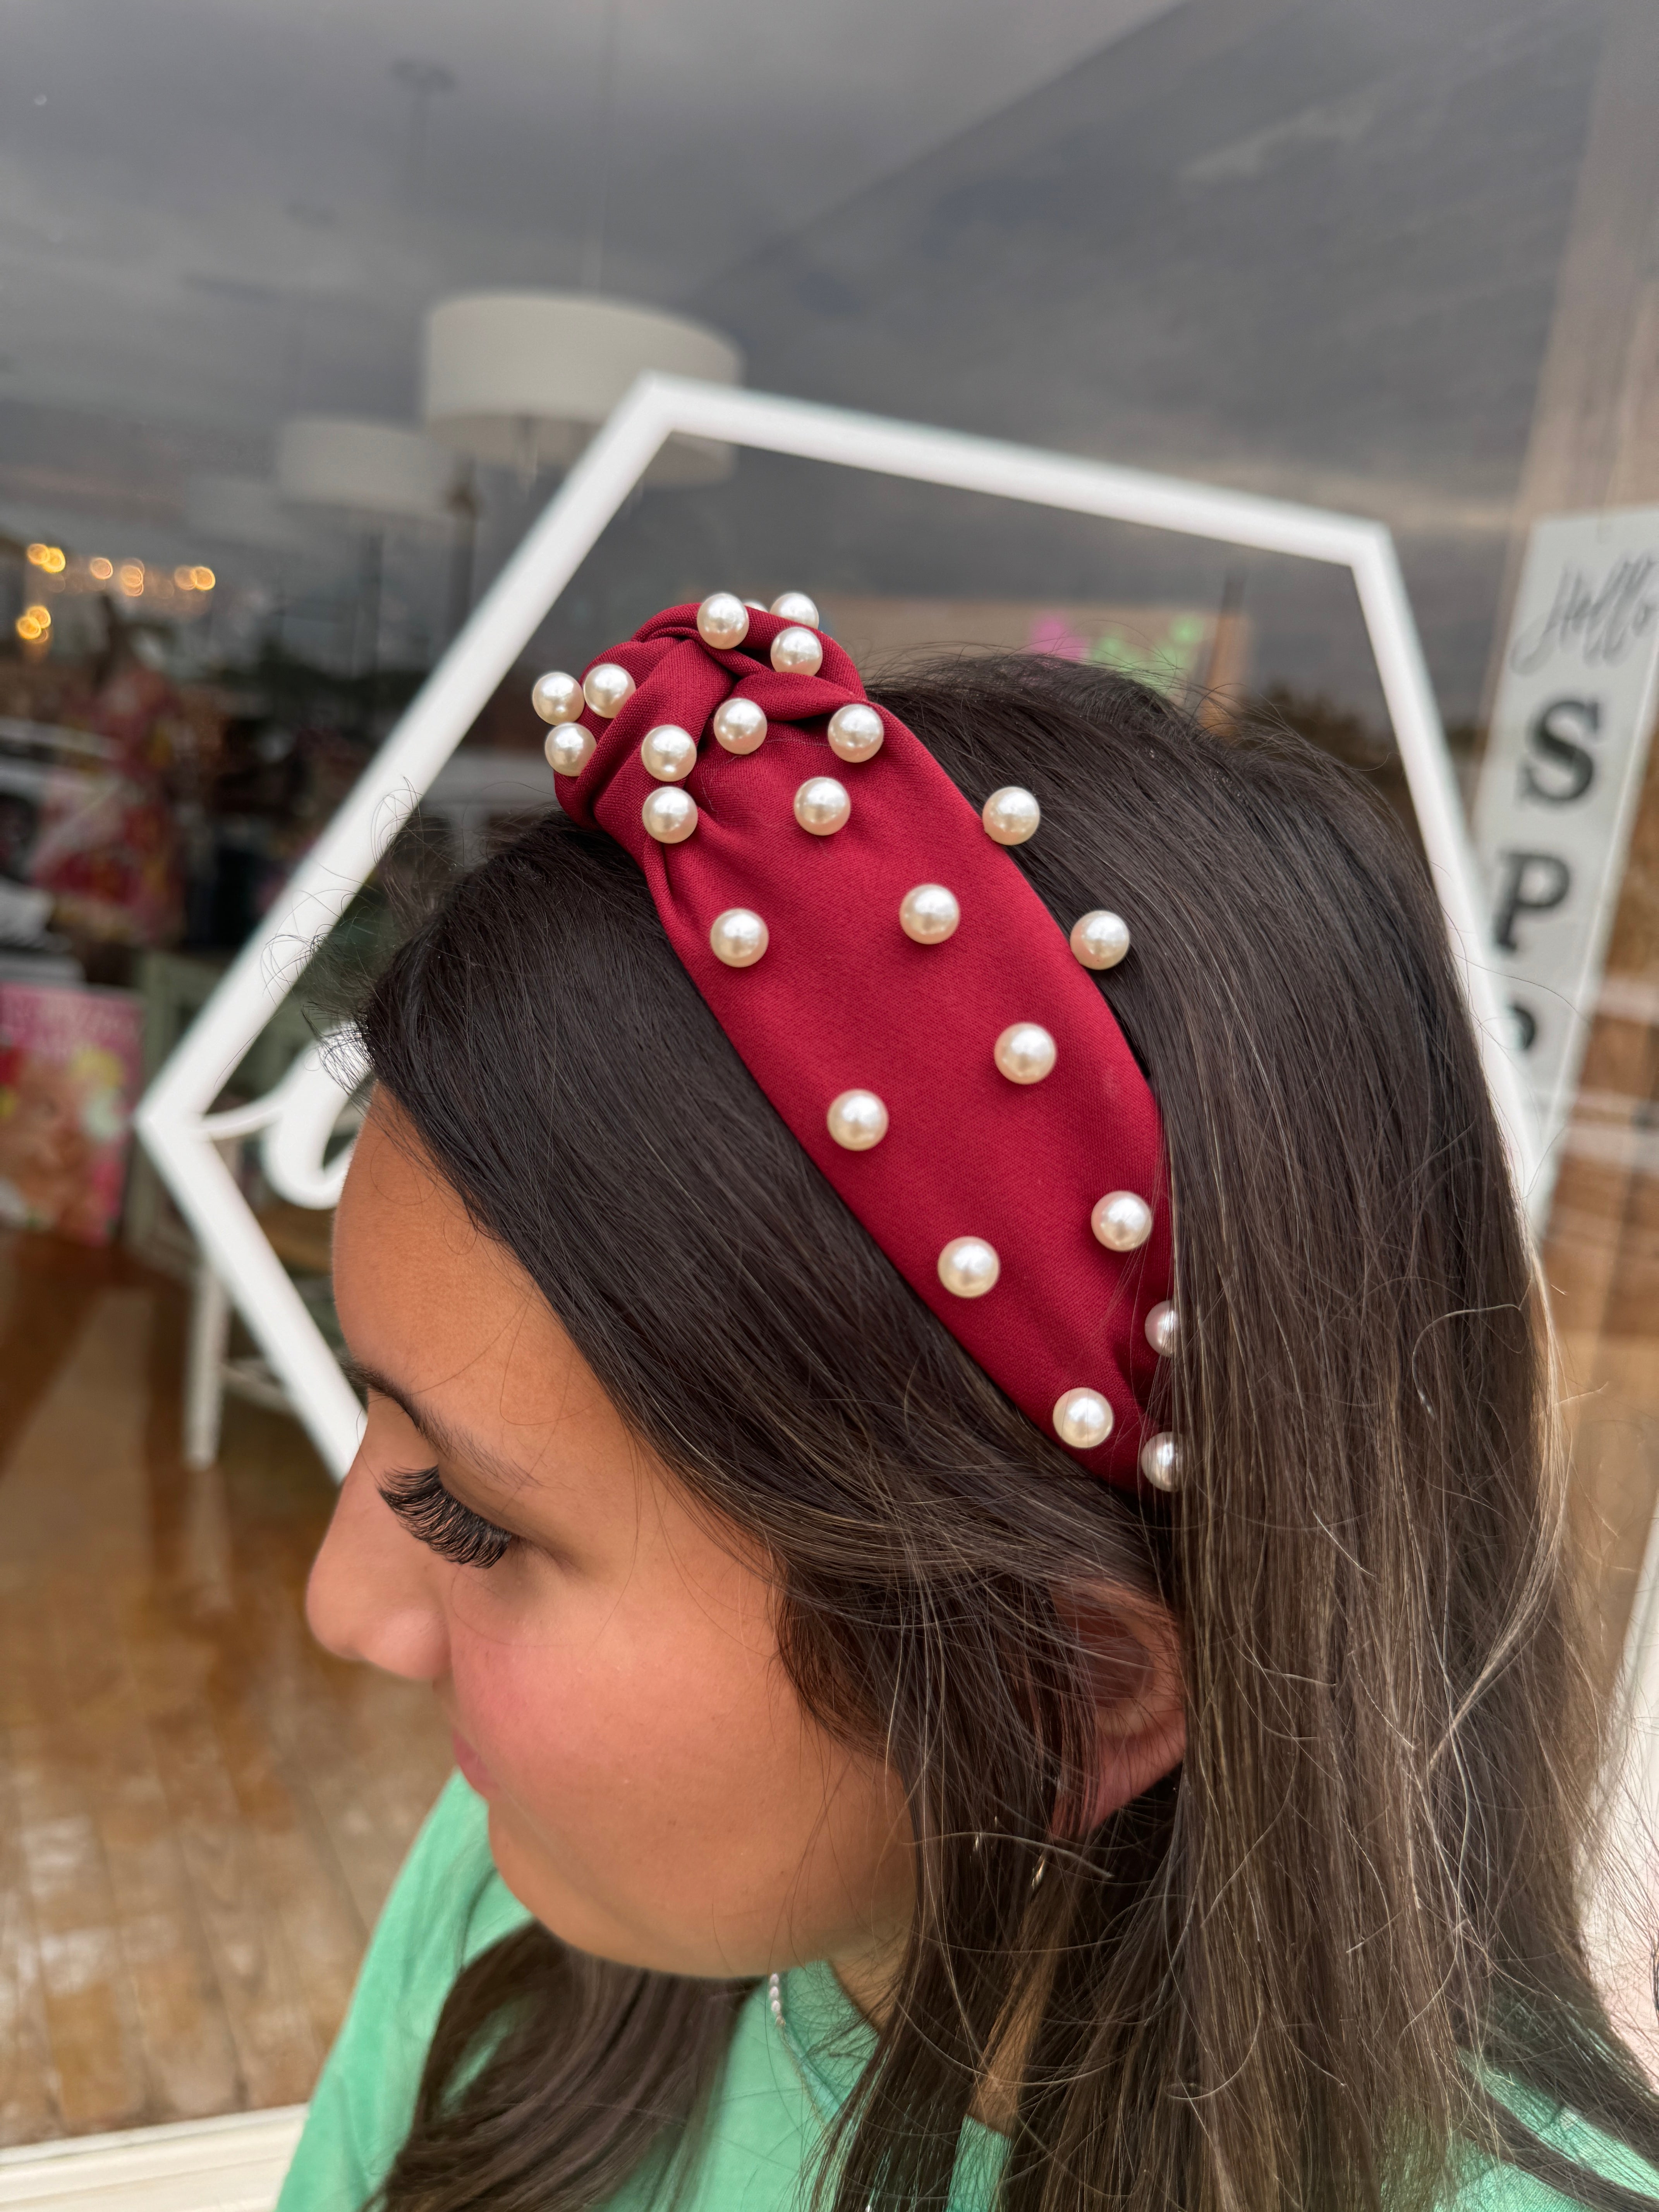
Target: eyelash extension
<point x="454" y="1531"/>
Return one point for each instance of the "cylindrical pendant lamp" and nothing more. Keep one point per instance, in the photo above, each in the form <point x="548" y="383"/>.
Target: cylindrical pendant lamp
<point x="244" y="511"/>
<point x="523" y="379"/>
<point x="374" y="474"/>
<point x="379" y="472"/>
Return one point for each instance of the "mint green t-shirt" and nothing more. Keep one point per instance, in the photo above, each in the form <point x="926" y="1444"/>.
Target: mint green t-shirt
<point x="448" y="1904"/>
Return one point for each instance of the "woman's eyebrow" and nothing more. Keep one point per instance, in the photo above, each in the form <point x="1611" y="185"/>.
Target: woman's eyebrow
<point x="448" y="1444"/>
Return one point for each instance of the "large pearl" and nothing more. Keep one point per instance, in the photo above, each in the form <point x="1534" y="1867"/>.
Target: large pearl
<point x="1162" y="1329"/>
<point x="738" y="937"/>
<point x="1100" y="940"/>
<point x="1121" y="1221"/>
<point x="1011" y="815"/>
<point x="669" y="752"/>
<point x="1160" y="1460"/>
<point x="739" y="725"/>
<point x="796" y="607"/>
<point x="857" y="1119"/>
<point x="968" y="1267"/>
<point x="568" y="749"/>
<point x="723" y="621"/>
<point x="929" y="913"/>
<point x="1083" y="1418"/>
<point x="855" y="731"/>
<point x="607" y="689"/>
<point x="797" y="652"/>
<point x="556" y="697"/>
<point x="822" y="806"/>
<point x="1025" y="1052"/>
<point x="670" y="815"/>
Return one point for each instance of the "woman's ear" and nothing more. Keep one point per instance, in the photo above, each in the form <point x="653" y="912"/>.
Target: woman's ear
<point x="1132" y="1647"/>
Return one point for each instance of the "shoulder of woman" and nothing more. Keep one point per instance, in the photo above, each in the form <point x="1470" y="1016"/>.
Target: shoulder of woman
<point x="1487" y="2185"/>
<point x="447" y="1904"/>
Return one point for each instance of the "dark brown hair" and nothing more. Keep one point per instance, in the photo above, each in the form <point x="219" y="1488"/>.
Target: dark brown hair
<point x="1285" y="1977"/>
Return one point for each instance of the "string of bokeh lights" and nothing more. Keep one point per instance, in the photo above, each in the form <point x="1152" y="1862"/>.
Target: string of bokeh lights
<point x="184" y="591"/>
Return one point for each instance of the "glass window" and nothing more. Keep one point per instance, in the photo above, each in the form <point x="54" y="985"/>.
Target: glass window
<point x="1394" y="258"/>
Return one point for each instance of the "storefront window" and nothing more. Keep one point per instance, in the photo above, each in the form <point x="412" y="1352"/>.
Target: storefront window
<point x="1392" y="258"/>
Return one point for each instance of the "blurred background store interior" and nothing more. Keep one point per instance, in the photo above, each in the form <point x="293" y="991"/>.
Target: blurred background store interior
<point x="1399" y="258"/>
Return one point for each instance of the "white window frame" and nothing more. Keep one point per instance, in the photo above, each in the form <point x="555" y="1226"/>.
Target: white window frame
<point x="184" y="1136"/>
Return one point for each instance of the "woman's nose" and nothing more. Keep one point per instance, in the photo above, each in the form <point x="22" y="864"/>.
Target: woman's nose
<point x="371" y="1595"/>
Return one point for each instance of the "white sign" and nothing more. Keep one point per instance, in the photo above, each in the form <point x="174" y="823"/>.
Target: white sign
<point x="1562" y="773"/>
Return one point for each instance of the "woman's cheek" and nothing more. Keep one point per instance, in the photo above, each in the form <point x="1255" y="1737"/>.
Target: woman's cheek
<point x="588" y="1736"/>
<point x="529" y="1714"/>
<point x="559" y="1736"/>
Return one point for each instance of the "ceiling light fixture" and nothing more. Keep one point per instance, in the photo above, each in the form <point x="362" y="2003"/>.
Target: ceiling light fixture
<point x="522" y="380"/>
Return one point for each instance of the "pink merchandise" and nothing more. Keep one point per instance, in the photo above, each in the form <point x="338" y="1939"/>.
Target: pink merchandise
<point x="70" y="1065"/>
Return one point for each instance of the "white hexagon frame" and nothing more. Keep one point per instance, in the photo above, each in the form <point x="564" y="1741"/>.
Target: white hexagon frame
<point x="174" y="1119"/>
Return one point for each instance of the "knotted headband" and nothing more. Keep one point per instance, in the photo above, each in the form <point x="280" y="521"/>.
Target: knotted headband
<point x="901" y="995"/>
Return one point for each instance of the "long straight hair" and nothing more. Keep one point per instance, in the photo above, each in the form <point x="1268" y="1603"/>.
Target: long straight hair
<point x="1286" y="1978"/>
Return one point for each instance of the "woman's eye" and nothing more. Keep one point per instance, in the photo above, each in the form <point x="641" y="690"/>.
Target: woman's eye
<point x="452" y="1530"/>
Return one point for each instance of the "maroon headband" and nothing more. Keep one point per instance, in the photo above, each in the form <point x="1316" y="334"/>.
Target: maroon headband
<point x="962" y="1082"/>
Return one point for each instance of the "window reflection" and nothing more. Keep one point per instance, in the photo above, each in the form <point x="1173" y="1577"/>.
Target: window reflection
<point x="1392" y="256"/>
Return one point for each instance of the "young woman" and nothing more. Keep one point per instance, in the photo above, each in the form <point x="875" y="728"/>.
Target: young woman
<point x="957" y="1422"/>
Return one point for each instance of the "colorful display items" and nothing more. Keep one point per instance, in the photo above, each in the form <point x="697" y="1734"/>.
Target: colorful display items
<point x="70" y="1062"/>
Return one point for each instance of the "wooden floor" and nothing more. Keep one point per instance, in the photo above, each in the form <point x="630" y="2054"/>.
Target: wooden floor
<point x="200" y="1813"/>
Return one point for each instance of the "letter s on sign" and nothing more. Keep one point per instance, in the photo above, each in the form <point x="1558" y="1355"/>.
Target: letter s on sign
<point x="1562" y="770"/>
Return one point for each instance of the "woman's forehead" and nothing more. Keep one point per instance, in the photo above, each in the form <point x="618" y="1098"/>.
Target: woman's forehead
<point x="422" y="1292"/>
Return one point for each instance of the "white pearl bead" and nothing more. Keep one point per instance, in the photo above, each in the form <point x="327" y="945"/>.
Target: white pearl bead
<point x="796" y="607"/>
<point x="759" y="605"/>
<point x="1160" y="1460"/>
<point x="607" y="689"/>
<point x="1162" y="1329"/>
<point x="738" y="937"/>
<point x="723" y="621"/>
<point x="857" y="1119"/>
<point x="822" y="806"/>
<point x="1100" y="940"/>
<point x="855" y="731"/>
<point x="1011" y="815"/>
<point x="929" y="913"/>
<point x="669" y="752"/>
<point x="797" y="652"/>
<point x="568" y="749"/>
<point x="556" y="697"/>
<point x="739" y="725"/>
<point x="968" y="1267"/>
<point x="1121" y="1221"/>
<point x="1025" y="1052"/>
<point x="1083" y="1418"/>
<point x="670" y="815"/>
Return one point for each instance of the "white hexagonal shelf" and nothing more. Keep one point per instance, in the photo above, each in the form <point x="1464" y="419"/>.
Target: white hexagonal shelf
<point x="182" y="1135"/>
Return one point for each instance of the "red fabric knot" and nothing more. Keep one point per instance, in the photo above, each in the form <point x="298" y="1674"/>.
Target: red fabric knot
<point x="843" y="999"/>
